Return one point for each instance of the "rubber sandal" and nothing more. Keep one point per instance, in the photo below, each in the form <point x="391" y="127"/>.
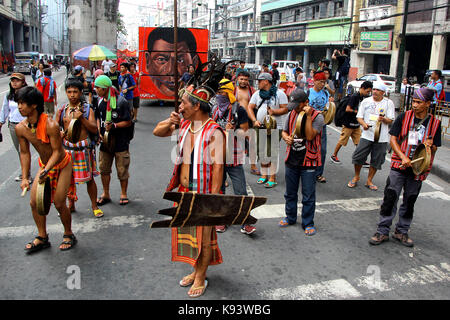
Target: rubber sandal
<point x="72" y="242"/>
<point x="101" y="201"/>
<point x="44" y="244"/>
<point x="256" y="172"/>
<point x="313" y="229"/>
<point x="352" y="184"/>
<point x="284" y="223"/>
<point x="190" y="281"/>
<point x="203" y="288"/>
<point x="124" y="201"/>
<point x="98" y="213"/>
<point x="321" y="179"/>
<point x="270" y="184"/>
<point x="262" y="180"/>
<point x="372" y="187"/>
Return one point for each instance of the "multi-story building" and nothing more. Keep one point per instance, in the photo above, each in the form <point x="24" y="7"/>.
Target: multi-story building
<point x="304" y="30"/>
<point x="19" y="29"/>
<point x="54" y="27"/>
<point x="378" y="36"/>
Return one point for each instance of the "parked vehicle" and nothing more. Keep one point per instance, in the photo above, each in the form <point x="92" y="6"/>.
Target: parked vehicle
<point x="23" y="61"/>
<point x="389" y="81"/>
<point x="286" y="69"/>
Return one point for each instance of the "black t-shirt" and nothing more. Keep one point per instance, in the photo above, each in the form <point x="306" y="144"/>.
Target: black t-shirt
<point x="121" y="113"/>
<point x="349" y="119"/>
<point x="275" y="75"/>
<point x="242" y="117"/>
<point x="114" y="76"/>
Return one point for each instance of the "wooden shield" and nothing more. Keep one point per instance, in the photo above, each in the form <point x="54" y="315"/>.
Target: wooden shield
<point x="328" y="114"/>
<point x="44" y="197"/>
<point x="421" y="160"/>
<point x="74" y="131"/>
<point x="109" y="140"/>
<point x="377" y="131"/>
<point x="197" y="209"/>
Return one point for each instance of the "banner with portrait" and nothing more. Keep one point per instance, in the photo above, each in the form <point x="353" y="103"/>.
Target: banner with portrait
<point x="157" y="58"/>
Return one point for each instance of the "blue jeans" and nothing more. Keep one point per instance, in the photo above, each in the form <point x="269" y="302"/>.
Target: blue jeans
<point x="292" y="177"/>
<point x="323" y="151"/>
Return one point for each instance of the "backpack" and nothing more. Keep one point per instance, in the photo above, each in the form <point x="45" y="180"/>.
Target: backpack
<point x="442" y="94"/>
<point x="340" y="111"/>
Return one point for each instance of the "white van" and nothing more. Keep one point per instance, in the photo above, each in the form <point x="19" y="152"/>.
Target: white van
<point x="286" y="69"/>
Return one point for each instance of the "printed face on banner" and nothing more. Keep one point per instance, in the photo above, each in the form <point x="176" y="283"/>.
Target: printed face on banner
<point x="157" y="59"/>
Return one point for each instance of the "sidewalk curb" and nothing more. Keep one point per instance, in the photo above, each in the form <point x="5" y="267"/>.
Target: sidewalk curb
<point x="441" y="169"/>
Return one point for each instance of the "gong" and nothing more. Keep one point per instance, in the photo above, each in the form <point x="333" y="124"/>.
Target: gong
<point x="300" y="125"/>
<point x="74" y="131"/>
<point x="421" y="160"/>
<point x="377" y="131"/>
<point x="270" y="122"/>
<point x="328" y="113"/>
<point x="109" y="140"/>
<point x="44" y="197"/>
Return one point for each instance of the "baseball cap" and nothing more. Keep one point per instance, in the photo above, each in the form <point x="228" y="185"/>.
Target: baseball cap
<point x="379" y="86"/>
<point x="17" y="75"/>
<point x="265" y="76"/>
<point x="297" y="96"/>
<point x="78" y="68"/>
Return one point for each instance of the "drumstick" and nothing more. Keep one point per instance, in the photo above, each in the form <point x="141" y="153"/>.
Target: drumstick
<point x="24" y="192"/>
<point x="415" y="160"/>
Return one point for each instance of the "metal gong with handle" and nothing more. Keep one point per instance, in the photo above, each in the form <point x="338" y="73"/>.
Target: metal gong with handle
<point x="44" y="197"/>
<point x="421" y="160"/>
<point x="109" y="140"/>
<point x="74" y="131"/>
<point x="329" y="112"/>
<point x="376" y="134"/>
<point x="270" y="123"/>
<point x="300" y="125"/>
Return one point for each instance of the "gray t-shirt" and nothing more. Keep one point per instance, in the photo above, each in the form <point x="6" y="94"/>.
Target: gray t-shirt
<point x="298" y="148"/>
<point x="273" y="103"/>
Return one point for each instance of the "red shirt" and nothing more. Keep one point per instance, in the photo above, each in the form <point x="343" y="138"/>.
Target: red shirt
<point x="136" y="90"/>
<point x="44" y="88"/>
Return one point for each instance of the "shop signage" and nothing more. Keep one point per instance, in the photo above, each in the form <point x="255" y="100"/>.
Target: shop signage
<point x="376" y="41"/>
<point x="293" y="35"/>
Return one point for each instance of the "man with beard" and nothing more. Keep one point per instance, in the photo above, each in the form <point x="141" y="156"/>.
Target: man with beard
<point x="160" y="57"/>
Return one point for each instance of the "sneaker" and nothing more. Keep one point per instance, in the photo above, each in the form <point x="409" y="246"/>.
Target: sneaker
<point x="403" y="238"/>
<point x="378" y="238"/>
<point x="335" y="159"/>
<point x="221" y="229"/>
<point x="248" y="229"/>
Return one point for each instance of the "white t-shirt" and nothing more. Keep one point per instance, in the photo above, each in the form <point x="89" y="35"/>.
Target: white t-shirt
<point x="107" y="65"/>
<point x="369" y="110"/>
<point x="274" y="103"/>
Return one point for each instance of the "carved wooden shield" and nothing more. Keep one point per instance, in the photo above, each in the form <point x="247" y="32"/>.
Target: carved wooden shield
<point x="74" y="131"/>
<point x="44" y="197"/>
<point x="197" y="209"/>
<point x="421" y="160"/>
<point x="328" y="114"/>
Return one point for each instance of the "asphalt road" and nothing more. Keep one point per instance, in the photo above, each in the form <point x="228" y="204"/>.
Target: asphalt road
<point x="120" y="257"/>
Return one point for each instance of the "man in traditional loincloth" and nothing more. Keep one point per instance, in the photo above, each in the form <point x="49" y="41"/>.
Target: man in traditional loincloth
<point x="82" y="151"/>
<point x="199" y="169"/>
<point x="410" y="129"/>
<point x="54" y="162"/>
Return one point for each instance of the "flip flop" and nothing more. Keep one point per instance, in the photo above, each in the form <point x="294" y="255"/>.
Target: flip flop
<point x="190" y="280"/>
<point x="372" y="187"/>
<point x="203" y="288"/>
<point x="313" y="229"/>
<point x="101" y="201"/>
<point x="270" y="184"/>
<point x="98" y="213"/>
<point x="256" y="172"/>
<point x="352" y="184"/>
<point x="321" y="179"/>
<point x="124" y="201"/>
<point x="262" y="180"/>
<point x="284" y="223"/>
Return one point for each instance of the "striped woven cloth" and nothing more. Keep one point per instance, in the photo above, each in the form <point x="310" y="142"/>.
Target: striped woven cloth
<point x="83" y="160"/>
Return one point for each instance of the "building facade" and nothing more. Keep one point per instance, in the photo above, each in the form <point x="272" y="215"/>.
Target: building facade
<point x="54" y="27"/>
<point x="19" y="29"/>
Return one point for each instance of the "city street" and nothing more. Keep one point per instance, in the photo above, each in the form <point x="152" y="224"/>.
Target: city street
<point x="120" y="257"/>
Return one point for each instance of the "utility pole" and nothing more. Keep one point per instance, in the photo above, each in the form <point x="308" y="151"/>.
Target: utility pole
<point x="225" y="28"/>
<point x="402" y="48"/>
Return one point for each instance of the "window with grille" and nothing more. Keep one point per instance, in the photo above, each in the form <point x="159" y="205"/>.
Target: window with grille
<point x="381" y="2"/>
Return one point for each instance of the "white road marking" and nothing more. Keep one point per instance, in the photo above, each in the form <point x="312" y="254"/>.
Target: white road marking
<point x="344" y="205"/>
<point x="343" y="289"/>
<point x="334" y="289"/>
<point x="249" y="190"/>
